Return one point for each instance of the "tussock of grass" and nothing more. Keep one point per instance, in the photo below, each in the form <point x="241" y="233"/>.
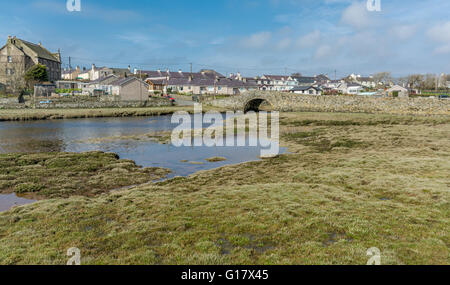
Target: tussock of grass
<point x="60" y="175"/>
<point x="379" y="185"/>
<point x="216" y="159"/>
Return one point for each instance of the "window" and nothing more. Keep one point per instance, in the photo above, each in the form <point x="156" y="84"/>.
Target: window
<point x="9" y="71"/>
<point x="10" y="59"/>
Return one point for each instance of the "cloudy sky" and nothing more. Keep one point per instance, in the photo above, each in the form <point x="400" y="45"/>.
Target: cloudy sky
<point x="250" y="36"/>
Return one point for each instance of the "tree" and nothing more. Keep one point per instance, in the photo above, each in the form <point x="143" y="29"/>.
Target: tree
<point x="37" y="73"/>
<point x="415" y="80"/>
<point x="430" y="82"/>
<point x="382" y="78"/>
<point x="403" y="81"/>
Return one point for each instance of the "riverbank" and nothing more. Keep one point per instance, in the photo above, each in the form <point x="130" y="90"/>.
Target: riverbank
<point x="350" y="182"/>
<point x="63" y="175"/>
<point x="54" y="114"/>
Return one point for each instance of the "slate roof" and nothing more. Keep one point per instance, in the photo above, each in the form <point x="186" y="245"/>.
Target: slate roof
<point x="40" y="51"/>
<point x="153" y="74"/>
<point x="277" y="77"/>
<point x="125" y="81"/>
<point x="203" y="82"/>
<point x="304" y="88"/>
<point x="104" y="79"/>
<point x="305" y="79"/>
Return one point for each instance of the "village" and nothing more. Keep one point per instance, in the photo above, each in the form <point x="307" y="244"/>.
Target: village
<point x="224" y="140"/>
<point x="132" y="84"/>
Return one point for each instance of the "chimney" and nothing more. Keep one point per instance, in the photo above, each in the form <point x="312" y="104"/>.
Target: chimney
<point x="190" y="78"/>
<point x="135" y="71"/>
<point x="40" y="44"/>
<point x="159" y="70"/>
<point x="179" y="71"/>
<point x="129" y="68"/>
<point x="78" y="68"/>
<point x="93" y="66"/>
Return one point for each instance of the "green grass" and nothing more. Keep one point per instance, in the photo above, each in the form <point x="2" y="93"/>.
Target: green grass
<point x="216" y="159"/>
<point x="61" y="175"/>
<point x="53" y="114"/>
<point x="379" y="185"/>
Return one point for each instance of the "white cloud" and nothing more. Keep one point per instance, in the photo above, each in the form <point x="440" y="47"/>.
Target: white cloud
<point x="309" y="40"/>
<point x="357" y="16"/>
<point x="441" y="34"/>
<point x="258" y="40"/>
<point x="284" y="43"/>
<point x="403" y="32"/>
<point x="323" y="51"/>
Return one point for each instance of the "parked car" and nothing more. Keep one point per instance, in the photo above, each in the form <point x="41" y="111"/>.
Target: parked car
<point x="45" y="102"/>
<point x="443" y="96"/>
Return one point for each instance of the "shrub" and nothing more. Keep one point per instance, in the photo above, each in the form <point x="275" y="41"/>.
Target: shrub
<point x="28" y="188"/>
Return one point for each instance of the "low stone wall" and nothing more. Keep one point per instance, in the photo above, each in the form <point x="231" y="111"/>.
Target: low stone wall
<point x="11" y="102"/>
<point x="85" y="103"/>
<point x="355" y="104"/>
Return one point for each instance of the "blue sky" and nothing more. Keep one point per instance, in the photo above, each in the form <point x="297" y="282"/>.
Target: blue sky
<point x="249" y="36"/>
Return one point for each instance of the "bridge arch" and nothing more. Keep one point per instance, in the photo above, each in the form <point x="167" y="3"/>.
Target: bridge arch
<point x="258" y="104"/>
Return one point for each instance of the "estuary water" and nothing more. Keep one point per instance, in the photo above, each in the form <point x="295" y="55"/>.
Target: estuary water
<point x="125" y="136"/>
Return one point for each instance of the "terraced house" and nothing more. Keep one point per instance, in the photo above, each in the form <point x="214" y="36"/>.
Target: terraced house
<point x="17" y="56"/>
<point x="277" y="82"/>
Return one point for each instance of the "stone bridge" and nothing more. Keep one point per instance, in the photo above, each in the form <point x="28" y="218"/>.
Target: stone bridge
<point x="288" y="102"/>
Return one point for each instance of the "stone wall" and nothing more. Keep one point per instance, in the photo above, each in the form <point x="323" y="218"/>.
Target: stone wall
<point x="10" y="103"/>
<point x="355" y="104"/>
<point x="84" y="103"/>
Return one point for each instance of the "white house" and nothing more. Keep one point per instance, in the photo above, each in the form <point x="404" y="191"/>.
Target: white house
<point x="332" y="84"/>
<point x="310" y="90"/>
<point x="350" y="88"/>
<point x="84" y="75"/>
<point x="277" y="82"/>
<point x="367" y="82"/>
<point x="397" y="91"/>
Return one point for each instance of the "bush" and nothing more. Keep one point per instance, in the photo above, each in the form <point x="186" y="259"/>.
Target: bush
<point x="59" y="91"/>
<point x="28" y="188"/>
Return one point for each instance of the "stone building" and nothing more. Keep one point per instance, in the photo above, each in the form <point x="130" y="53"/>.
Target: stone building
<point x="130" y="89"/>
<point x="17" y="56"/>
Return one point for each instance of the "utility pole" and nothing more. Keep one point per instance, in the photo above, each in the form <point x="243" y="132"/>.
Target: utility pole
<point x="335" y="75"/>
<point x="140" y="87"/>
<point x="191" y="68"/>
<point x="70" y="63"/>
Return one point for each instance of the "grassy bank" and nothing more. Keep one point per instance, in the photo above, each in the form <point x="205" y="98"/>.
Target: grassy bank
<point x="350" y="182"/>
<point x="62" y="175"/>
<point x="53" y="114"/>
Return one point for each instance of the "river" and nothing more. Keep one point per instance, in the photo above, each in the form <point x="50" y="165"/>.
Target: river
<point x="118" y="135"/>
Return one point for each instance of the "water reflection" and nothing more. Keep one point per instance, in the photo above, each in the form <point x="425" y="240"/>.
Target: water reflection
<point x="7" y="201"/>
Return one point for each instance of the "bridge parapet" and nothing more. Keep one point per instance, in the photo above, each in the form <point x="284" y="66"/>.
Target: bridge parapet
<point x="287" y="102"/>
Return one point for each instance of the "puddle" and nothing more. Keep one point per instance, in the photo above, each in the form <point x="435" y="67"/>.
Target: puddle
<point x="8" y="201"/>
